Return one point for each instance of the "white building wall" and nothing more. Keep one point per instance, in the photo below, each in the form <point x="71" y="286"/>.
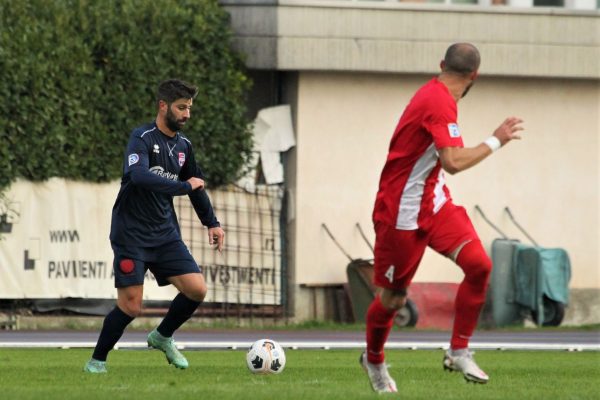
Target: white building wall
<point x="550" y="179"/>
<point x="355" y="65"/>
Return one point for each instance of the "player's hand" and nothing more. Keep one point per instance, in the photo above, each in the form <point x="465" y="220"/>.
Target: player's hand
<point x="509" y="130"/>
<point x="196" y="183"/>
<point x="216" y="236"/>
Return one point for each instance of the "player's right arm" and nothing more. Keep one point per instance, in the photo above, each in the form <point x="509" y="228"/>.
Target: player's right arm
<point x="457" y="159"/>
<point x="137" y="166"/>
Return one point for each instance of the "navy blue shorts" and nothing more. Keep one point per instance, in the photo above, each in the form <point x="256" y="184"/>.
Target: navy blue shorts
<point x="170" y="259"/>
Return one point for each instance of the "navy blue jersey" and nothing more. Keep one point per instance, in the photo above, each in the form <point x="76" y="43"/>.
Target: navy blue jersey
<point x="155" y="169"/>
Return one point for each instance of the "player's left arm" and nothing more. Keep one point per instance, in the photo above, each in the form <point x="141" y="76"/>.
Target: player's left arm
<point x="201" y="203"/>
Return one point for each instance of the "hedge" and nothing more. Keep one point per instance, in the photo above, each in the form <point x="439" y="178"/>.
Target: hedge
<point x="76" y="76"/>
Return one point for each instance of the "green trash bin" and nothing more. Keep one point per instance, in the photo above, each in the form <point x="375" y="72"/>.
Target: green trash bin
<point x="527" y="278"/>
<point x="360" y="273"/>
<point x="502" y="291"/>
<point x="542" y="278"/>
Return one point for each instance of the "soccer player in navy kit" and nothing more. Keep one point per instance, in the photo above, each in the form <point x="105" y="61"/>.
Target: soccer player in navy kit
<point x="159" y="164"/>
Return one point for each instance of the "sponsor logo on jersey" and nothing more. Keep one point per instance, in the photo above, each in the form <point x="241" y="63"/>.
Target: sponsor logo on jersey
<point x="156" y="149"/>
<point x="133" y="159"/>
<point x="181" y="159"/>
<point x="160" y="171"/>
<point x="453" y="130"/>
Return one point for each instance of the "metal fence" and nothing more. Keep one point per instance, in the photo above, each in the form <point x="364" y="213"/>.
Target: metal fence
<point x="248" y="278"/>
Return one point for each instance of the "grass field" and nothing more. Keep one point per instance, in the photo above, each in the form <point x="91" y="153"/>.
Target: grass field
<point x="310" y="374"/>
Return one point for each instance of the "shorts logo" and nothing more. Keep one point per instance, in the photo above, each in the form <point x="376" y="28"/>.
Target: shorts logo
<point x="126" y="266"/>
<point x="133" y="159"/>
<point x="453" y="130"/>
<point x="181" y="159"/>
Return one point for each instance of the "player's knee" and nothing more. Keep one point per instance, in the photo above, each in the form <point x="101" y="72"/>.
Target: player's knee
<point x="133" y="309"/>
<point x="475" y="262"/>
<point x="397" y="303"/>
<point x="484" y="268"/>
<point x="136" y="311"/>
<point x="130" y="302"/>
<point x="198" y="293"/>
<point x="393" y="300"/>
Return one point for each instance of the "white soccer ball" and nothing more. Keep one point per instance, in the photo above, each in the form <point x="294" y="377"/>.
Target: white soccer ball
<point x="265" y="356"/>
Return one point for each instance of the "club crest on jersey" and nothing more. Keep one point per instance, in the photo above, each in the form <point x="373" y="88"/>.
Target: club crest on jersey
<point x="181" y="159"/>
<point x="133" y="159"/>
<point x="453" y="130"/>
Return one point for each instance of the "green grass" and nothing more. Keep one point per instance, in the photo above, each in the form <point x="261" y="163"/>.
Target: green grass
<point x="310" y="374"/>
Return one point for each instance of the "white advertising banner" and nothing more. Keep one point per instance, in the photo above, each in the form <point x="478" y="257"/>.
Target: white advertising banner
<point x="55" y="244"/>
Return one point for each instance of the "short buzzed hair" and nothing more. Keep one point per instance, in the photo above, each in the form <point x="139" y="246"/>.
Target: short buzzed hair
<point x="173" y="89"/>
<point x="462" y="59"/>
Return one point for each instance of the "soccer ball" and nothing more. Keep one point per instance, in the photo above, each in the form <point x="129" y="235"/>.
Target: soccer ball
<point x="265" y="356"/>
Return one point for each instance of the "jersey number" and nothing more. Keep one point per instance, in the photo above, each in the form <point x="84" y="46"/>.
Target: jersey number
<point x="390" y="273"/>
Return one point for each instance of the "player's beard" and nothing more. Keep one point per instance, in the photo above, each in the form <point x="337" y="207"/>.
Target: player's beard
<point x="172" y="122"/>
<point x="469" y="86"/>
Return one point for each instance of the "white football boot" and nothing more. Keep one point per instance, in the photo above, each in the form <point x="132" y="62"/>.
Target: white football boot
<point x="378" y="374"/>
<point x="466" y="364"/>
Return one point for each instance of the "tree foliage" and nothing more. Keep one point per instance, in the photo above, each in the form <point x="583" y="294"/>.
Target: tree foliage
<point x="76" y="76"/>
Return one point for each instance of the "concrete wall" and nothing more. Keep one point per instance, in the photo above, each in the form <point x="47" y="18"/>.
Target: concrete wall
<point x="550" y="179"/>
<point x="400" y="37"/>
<point x="351" y="69"/>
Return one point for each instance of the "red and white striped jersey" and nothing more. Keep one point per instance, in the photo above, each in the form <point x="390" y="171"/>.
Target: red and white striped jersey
<point x="412" y="186"/>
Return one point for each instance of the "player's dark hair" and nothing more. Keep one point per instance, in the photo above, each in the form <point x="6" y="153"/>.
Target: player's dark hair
<point x="173" y="89"/>
<point x="462" y="59"/>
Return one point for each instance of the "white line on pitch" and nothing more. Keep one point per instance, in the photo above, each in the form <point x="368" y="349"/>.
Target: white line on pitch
<point x="193" y="345"/>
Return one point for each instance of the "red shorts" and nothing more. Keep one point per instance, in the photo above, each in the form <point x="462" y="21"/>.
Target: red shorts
<point x="399" y="252"/>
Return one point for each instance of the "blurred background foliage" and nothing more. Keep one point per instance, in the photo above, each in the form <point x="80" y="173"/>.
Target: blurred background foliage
<point x="76" y="76"/>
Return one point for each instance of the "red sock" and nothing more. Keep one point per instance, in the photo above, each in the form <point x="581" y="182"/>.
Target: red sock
<point x="379" y="324"/>
<point x="471" y="293"/>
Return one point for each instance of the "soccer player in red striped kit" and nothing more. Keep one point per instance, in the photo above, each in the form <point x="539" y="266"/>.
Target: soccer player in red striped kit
<point x="413" y="210"/>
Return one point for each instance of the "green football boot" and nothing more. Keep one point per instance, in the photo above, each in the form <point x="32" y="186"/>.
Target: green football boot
<point x="167" y="346"/>
<point x="95" y="367"/>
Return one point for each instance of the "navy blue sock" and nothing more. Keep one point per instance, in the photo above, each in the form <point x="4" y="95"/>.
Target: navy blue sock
<point x="181" y="310"/>
<point x="114" y="324"/>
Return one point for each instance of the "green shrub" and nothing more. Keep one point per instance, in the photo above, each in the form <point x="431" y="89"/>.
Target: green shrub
<point x="76" y="76"/>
